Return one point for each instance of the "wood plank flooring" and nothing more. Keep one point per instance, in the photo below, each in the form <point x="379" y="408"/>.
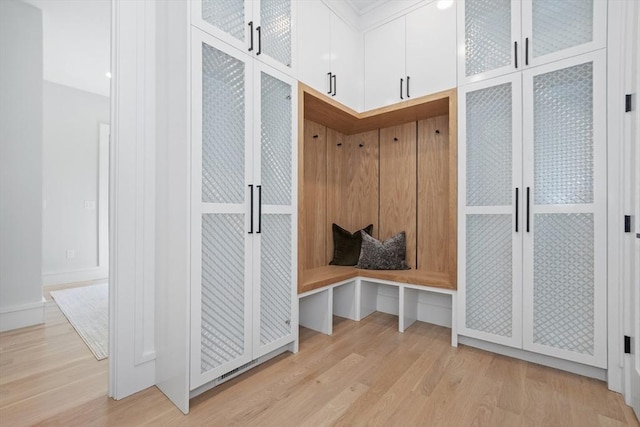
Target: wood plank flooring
<point x="365" y="374"/>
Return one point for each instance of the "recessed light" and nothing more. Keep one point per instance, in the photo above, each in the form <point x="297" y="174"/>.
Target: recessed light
<point x="108" y="74"/>
<point x="444" y="4"/>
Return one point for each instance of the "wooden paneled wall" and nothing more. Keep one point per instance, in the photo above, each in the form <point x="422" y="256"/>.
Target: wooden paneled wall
<point x="398" y="185"/>
<point x="402" y="177"/>
<point x="314" y="201"/>
<point x="352" y="182"/>
<point x="433" y="215"/>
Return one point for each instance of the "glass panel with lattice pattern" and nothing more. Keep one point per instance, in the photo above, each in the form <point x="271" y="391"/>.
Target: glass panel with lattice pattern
<point x="223" y="127"/>
<point x="489" y="146"/>
<point x="561" y="24"/>
<point x="275" y="20"/>
<point x="563" y="135"/>
<point x="563" y="281"/>
<point x="275" y="278"/>
<point x="488" y="43"/>
<point x="276" y="141"/>
<point x="489" y="274"/>
<point x="227" y="15"/>
<point x="223" y="289"/>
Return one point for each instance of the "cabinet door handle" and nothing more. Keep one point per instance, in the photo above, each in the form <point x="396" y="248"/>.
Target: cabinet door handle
<point x="259" y="187"/>
<point x="335" y="84"/>
<point x="526" y="51"/>
<point x="330" y="83"/>
<point x="408" y="96"/>
<point x="250" y="208"/>
<point x="515" y="50"/>
<point x="517" y="207"/>
<point x="401" y="84"/>
<point x="250" y="36"/>
<point x="528" y="209"/>
<point x="259" y="30"/>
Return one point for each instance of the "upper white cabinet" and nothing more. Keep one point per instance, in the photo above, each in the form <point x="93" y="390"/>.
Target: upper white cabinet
<point x="411" y="56"/>
<point x="497" y="37"/>
<point x="330" y="54"/>
<point x="261" y="28"/>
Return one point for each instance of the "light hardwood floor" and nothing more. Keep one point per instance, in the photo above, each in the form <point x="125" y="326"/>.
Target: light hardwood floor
<point x="365" y="374"/>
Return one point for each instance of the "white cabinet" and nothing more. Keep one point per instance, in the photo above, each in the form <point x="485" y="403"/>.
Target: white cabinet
<point x="411" y="56"/>
<point x="243" y="221"/>
<point x="262" y="28"/>
<point x="330" y="53"/>
<point x="532" y="210"/>
<point x="503" y="36"/>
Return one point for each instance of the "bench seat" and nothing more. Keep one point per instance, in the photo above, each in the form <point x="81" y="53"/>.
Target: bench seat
<point x="327" y="275"/>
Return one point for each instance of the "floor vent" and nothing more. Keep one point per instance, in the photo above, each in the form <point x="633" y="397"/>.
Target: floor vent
<point x="238" y="369"/>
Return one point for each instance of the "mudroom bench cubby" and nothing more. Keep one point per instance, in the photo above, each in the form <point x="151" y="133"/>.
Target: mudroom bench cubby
<point x="393" y="167"/>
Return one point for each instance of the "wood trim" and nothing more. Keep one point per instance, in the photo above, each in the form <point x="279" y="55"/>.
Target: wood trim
<point x="301" y="169"/>
<point x="326" y="111"/>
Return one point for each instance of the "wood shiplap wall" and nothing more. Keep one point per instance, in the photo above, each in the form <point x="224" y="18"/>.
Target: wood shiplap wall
<point x="433" y="195"/>
<point x="398" y="185"/>
<point x="315" y="196"/>
<point x="352" y="182"/>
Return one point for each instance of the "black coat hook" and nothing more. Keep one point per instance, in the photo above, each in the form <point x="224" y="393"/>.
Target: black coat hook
<point x="339" y="144"/>
<point x="437" y="131"/>
<point x="395" y="139"/>
<point x="361" y="145"/>
<point x="315" y="136"/>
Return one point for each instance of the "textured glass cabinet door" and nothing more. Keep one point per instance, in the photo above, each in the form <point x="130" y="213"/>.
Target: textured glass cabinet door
<point x="489" y="246"/>
<point x="488" y="29"/>
<point x="275" y="23"/>
<point x="559" y="29"/>
<point x="226" y="19"/>
<point x="565" y="258"/>
<point x="221" y="319"/>
<point x="274" y="106"/>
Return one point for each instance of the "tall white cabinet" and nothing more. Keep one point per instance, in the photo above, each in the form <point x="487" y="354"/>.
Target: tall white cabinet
<point x="242" y="186"/>
<point x="532" y="189"/>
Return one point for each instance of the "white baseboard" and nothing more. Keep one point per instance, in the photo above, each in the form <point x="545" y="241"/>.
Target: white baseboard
<point x="540" y="359"/>
<point x="22" y="316"/>
<point x="85" y="275"/>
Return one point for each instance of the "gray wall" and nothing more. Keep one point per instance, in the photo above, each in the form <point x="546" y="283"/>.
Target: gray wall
<point x="20" y="155"/>
<point x="70" y="177"/>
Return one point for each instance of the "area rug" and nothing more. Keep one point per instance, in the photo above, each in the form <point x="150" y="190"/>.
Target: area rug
<point x="87" y="308"/>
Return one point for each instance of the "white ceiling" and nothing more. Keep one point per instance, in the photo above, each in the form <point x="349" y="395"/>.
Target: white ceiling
<point x="77" y="43"/>
<point x="363" y="6"/>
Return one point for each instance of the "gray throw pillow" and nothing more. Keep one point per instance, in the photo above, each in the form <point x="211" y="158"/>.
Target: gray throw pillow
<point x="387" y="255"/>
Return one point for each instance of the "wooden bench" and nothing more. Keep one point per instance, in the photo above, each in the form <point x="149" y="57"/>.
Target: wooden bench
<point x="354" y="294"/>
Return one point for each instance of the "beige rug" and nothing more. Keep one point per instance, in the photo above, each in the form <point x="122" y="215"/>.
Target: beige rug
<point x="87" y="309"/>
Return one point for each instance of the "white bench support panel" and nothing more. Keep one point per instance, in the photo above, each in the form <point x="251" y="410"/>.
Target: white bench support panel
<point x="368" y="298"/>
<point x="454" y="319"/>
<point x="316" y="311"/>
<point x="345" y="301"/>
<point x="408" y="307"/>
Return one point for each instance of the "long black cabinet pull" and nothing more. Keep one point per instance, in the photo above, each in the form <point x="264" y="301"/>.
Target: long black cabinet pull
<point x="259" y="187"/>
<point x="335" y="84"/>
<point x="526" y="51"/>
<point x="515" y="50"/>
<point x="401" y="84"/>
<point x="250" y="209"/>
<point x="408" y="96"/>
<point x="527" y="209"/>
<point x="251" y="36"/>
<point x="259" y="31"/>
<point x="517" y="207"/>
<point x="330" y="83"/>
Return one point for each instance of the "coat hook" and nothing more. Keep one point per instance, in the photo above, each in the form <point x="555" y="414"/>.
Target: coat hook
<point x="395" y="139"/>
<point x="437" y="131"/>
<point x="315" y="136"/>
<point x="339" y="144"/>
<point x="361" y="145"/>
